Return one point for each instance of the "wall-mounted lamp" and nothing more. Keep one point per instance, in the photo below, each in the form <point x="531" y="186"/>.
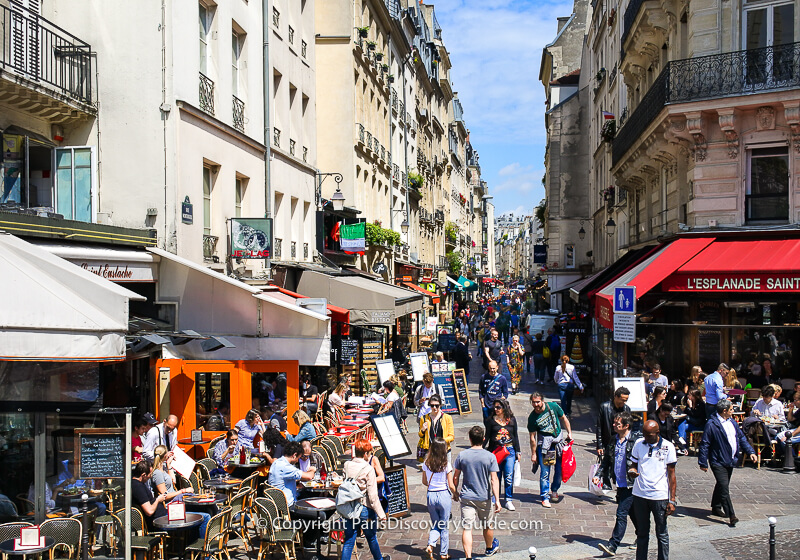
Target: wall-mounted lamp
<point x="582" y="232"/>
<point x="404" y="225"/>
<point x="338" y="200"/>
<point x="611" y="227"/>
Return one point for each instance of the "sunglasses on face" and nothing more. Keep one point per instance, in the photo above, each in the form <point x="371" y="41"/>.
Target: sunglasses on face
<point x="435" y="405"/>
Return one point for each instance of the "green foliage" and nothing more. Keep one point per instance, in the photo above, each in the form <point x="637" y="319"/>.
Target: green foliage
<point x="378" y="236"/>
<point x="451" y="231"/>
<point x="415" y="180"/>
<point x="609" y="130"/>
<point x="541" y="213"/>
<point x="455" y="262"/>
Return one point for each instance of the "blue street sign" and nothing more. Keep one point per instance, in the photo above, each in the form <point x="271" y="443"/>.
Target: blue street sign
<point x="625" y="299"/>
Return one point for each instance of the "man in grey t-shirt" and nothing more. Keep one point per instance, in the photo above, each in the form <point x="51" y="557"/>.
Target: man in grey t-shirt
<point x="477" y="470"/>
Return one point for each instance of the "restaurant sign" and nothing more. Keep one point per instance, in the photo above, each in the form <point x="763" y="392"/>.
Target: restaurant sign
<point x="760" y="282"/>
<point x="119" y="271"/>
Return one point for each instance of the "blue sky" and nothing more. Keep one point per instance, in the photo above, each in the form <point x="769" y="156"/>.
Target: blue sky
<point x="496" y="50"/>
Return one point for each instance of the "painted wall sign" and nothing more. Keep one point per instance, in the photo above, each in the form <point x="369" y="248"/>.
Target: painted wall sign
<point x="788" y="282"/>
<point x="251" y="238"/>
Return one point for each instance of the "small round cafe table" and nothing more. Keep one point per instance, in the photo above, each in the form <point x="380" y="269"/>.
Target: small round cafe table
<point x="7" y="548"/>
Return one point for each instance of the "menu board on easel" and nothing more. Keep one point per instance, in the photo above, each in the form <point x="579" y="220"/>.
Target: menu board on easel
<point x="443" y="377"/>
<point x="399" y="505"/>
<point x="461" y="391"/>
<point x="419" y="364"/>
<point x="371" y="352"/>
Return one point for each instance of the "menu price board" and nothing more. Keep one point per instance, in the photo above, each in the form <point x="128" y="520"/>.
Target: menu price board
<point x="461" y="391"/>
<point x="419" y="364"/>
<point x="99" y="453"/>
<point x="398" y="500"/>
<point x="385" y="370"/>
<point x="443" y="377"/>
<point x="349" y="353"/>
<point x="447" y="341"/>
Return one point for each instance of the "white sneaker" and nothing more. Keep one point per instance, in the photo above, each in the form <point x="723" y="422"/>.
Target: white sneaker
<point x="510" y="506"/>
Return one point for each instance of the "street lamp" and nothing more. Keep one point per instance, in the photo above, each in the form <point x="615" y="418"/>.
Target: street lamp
<point x="611" y="227"/>
<point x="404" y="225"/>
<point x="338" y="200"/>
<point x="582" y="232"/>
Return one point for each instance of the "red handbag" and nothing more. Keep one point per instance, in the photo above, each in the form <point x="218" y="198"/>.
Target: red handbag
<point x="501" y="453"/>
<point x="568" y="463"/>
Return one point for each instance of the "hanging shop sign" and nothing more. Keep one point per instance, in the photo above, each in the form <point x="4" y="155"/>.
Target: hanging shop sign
<point x="251" y="238"/>
<point x="540" y="254"/>
<point x="352" y="237"/>
<point x="767" y="282"/>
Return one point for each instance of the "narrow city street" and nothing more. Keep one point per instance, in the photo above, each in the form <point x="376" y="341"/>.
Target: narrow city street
<point x="573" y="528"/>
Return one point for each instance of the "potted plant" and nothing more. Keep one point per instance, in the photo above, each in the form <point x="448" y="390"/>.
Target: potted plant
<point x="385" y="67"/>
<point x="609" y="130"/>
<point x="390" y="77"/>
<point x="415" y="180"/>
<point x="372" y="45"/>
<point x="363" y="31"/>
<point x="378" y="56"/>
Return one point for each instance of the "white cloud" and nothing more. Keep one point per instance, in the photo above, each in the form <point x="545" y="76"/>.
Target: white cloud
<point x="509" y="169"/>
<point x="519" y="179"/>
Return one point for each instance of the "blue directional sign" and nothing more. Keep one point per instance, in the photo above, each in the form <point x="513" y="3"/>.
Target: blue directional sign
<point x="625" y="299"/>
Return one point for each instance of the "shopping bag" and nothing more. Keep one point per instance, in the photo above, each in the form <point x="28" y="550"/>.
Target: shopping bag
<point x="517" y="474"/>
<point x="568" y="463"/>
<point x="595" y="489"/>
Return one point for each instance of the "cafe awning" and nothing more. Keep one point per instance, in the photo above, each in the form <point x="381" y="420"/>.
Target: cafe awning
<point x="466" y="284"/>
<point x="434" y="297"/>
<point x="54" y="310"/>
<point x="370" y="302"/>
<point x="648" y="274"/>
<point x="260" y="325"/>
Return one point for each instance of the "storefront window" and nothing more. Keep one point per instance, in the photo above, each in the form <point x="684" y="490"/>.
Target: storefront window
<point x="268" y="387"/>
<point x="16" y="458"/>
<point x="64" y="382"/>
<point x="213" y="400"/>
<point x="764" y="340"/>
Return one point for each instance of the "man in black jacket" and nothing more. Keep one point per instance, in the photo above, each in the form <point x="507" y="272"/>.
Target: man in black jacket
<point x="615" y="464"/>
<point x="604" y="429"/>
<point x="722" y="445"/>
<point x="461" y="354"/>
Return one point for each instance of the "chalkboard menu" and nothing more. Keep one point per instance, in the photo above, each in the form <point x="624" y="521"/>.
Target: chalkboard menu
<point x="99" y="453"/>
<point x="710" y="313"/>
<point x="349" y="353"/>
<point x="443" y="377"/>
<point x="709" y="344"/>
<point x="398" y="501"/>
<point x="447" y="342"/>
<point x="462" y="392"/>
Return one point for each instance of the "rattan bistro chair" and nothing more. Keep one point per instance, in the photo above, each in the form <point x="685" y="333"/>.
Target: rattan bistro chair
<point x="67" y="532"/>
<point x="271" y="531"/>
<point x="11" y="531"/>
<point x="215" y="542"/>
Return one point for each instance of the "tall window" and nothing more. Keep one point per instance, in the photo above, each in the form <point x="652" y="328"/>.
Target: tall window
<point x="767" y="197"/>
<point x="569" y="256"/>
<point x="768" y="32"/>
<point x="236" y="51"/>
<point x="207" y="200"/>
<point x="239" y="197"/>
<point x="74" y="183"/>
<point x="205" y="29"/>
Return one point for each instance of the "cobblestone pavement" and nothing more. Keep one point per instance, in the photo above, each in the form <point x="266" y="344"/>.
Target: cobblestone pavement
<point x="574" y="527"/>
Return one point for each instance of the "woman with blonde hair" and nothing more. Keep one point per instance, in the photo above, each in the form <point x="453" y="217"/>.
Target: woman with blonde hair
<point x="307" y="431"/>
<point x="731" y="382"/>
<point x="694" y="381"/>
<point x="337" y="397"/>
<point x="437" y="475"/>
<point x="163" y="481"/>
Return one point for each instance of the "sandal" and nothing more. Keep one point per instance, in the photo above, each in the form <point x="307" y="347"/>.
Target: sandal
<point x="429" y="552"/>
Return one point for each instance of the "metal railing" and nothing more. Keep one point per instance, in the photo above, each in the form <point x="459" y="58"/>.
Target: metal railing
<point x="276" y="137"/>
<point x="303" y="49"/>
<point x="238" y="114"/>
<point x="710" y="77"/>
<point x="206" y="94"/>
<point x="278" y="248"/>
<point x="305" y="153"/>
<point x="294" y="249"/>
<point x="292" y="146"/>
<point x="209" y="246"/>
<point x="305" y="250"/>
<point x="630" y="16"/>
<point x="38" y="50"/>
<point x="361" y="133"/>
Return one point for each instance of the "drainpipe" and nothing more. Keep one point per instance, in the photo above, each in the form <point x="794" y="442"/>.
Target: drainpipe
<point x="267" y="139"/>
<point x="405" y="146"/>
<point x="391" y="139"/>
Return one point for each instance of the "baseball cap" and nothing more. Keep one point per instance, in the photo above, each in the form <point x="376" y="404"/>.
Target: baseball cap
<point x="149" y="418"/>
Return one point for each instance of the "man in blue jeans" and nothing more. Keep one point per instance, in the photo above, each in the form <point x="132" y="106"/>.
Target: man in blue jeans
<point x="545" y="427"/>
<point x="615" y="465"/>
<point x="655" y="488"/>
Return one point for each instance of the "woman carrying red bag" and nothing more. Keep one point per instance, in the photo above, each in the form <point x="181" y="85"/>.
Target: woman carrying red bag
<point x="502" y="440"/>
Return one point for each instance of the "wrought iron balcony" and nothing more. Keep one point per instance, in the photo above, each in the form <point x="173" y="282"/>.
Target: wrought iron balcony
<point x="40" y="51"/>
<point x="206" y="94"/>
<point x="630" y="16"/>
<point x="361" y="133"/>
<point x="238" y="114"/>
<point x="209" y="247"/>
<point x="711" y="77"/>
<point x="278" y="248"/>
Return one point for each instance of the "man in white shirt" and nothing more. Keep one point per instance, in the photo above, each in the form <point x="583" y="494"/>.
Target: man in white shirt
<point x="654" y="490"/>
<point x="768" y="405"/>
<point x="161" y="434"/>
<point x="656" y="379"/>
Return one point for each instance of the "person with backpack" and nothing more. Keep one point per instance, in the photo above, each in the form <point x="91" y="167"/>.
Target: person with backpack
<point x="437" y="475"/>
<point x="358" y="503"/>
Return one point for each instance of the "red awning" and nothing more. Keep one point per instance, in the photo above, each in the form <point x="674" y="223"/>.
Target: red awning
<point x="420" y="289"/>
<point x="648" y="274"/>
<point x="337" y="314"/>
<point x="768" y="265"/>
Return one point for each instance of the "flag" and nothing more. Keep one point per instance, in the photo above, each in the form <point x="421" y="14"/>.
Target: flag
<point x="608" y="116"/>
<point x="335" y="231"/>
<point x="353" y="238"/>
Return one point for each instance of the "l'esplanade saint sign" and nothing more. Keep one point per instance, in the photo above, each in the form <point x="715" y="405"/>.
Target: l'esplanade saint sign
<point x="738" y="282"/>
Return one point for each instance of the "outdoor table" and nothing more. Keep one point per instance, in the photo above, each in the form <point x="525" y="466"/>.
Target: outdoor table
<point x="327" y="487"/>
<point x="209" y="507"/>
<point x="225" y="485"/>
<point x="305" y="507"/>
<point x="243" y="470"/>
<point x="354" y="422"/>
<point x="194" y="445"/>
<point x="180" y="528"/>
<point x="67" y="501"/>
<point x="7" y="548"/>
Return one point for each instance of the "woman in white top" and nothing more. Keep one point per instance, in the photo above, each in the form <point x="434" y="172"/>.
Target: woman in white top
<point x="567" y="380"/>
<point x="437" y="475"/>
<point x="337" y="397"/>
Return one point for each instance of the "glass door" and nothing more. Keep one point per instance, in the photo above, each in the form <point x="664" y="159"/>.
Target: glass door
<point x="767" y="37"/>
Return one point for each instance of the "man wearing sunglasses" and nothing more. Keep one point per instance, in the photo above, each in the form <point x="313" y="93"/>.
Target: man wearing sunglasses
<point x="654" y="490"/>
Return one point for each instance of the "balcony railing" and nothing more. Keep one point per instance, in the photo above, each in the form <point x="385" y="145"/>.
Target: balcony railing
<point x="40" y="51"/>
<point x="277" y="249"/>
<point x="630" y="16"/>
<point x="206" y="94"/>
<point x="238" y="114"/>
<point x="711" y="77"/>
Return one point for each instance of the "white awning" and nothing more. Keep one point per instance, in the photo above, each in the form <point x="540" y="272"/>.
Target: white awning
<point x="118" y="264"/>
<point x="261" y="325"/>
<point x="370" y="302"/>
<point x="55" y="311"/>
